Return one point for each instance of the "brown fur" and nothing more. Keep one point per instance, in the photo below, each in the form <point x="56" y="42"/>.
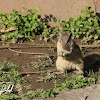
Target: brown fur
<point x="69" y="54"/>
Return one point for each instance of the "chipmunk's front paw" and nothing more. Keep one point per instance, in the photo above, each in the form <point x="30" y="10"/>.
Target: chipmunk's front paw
<point x="64" y="54"/>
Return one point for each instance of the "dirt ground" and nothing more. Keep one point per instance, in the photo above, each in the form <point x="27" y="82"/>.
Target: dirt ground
<point x="25" y="58"/>
<point x="20" y="54"/>
<point x="59" y="9"/>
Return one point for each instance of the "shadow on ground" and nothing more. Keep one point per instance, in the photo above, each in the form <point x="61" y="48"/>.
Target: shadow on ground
<point x="92" y="62"/>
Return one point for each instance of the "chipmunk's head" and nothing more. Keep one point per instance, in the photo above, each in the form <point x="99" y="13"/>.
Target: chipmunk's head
<point x="65" y="38"/>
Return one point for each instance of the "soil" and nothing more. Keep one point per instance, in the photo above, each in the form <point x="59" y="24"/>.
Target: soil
<point x="22" y="59"/>
<point x="92" y="57"/>
<point x="73" y="8"/>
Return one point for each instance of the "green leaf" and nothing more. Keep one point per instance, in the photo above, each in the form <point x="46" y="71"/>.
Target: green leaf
<point x="87" y="8"/>
<point x="3" y="13"/>
<point x="88" y="15"/>
<point x="60" y="21"/>
<point x="98" y="31"/>
<point x="96" y="36"/>
<point x="38" y="9"/>
<point x="6" y="22"/>
<point x="81" y="25"/>
<point x="93" y="14"/>
<point x="11" y="35"/>
<point x="3" y="19"/>
<point x="20" y="35"/>
<point x="29" y="17"/>
<point x="4" y="26"/>
<point x="83" y="11"/>
<point x="83" y="17"/>
<point x="19" y="12"/>
<point x="91" y="10"/>
<point x="16" y="32"/>
<point x="13" y="40"/>
<point x="26" y="9"/>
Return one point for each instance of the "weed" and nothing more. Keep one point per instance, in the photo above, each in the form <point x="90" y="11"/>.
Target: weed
<point x="12" y="74"/>
<point x="49" y="77"/>
<point x="74" y="83"/>
<point x="10" y="96"/>
<point x="96" y="76"/>
<point x="17" y="54"/>
<point x="5" y="66"/>
<point x="9" y="74"/>
<point x="27" y="26"/>
<point x="39" y="65"/>
<point x="41" y="93"/>
<point x="27" y="87"/>
<point x="86" y="26"/>
<point x="5" y="44"/>
<point x="71" y="82"/>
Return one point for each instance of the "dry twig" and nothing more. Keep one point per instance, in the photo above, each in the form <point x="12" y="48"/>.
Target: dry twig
<point x="9" y="29"/>
<point x="31" y="53"/>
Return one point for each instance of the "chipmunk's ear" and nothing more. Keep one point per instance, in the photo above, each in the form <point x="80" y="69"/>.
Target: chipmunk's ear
<point x="69" y="37"/>
<point x="70" y="34"/>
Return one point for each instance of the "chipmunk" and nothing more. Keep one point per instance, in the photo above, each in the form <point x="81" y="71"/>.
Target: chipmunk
<point x="69" y="54"/>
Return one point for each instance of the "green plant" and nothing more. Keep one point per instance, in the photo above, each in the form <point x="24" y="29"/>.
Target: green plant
<point x="86" y="26"/>
<point x="10" y="96"/>
<point x="39" y="65"/>
<point x="5" y="66"/>
<point x="96" y="76"/>
<point x="71" y="82"/>
<point x="8" y="72"/>
<point x="41" y="93"/>
<point x="27" y="25"/>
<point x="13" y="76"/>
<point x="49" y="77"/>
<point x="75" y="82"/>
<point x="49" y="33"/>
